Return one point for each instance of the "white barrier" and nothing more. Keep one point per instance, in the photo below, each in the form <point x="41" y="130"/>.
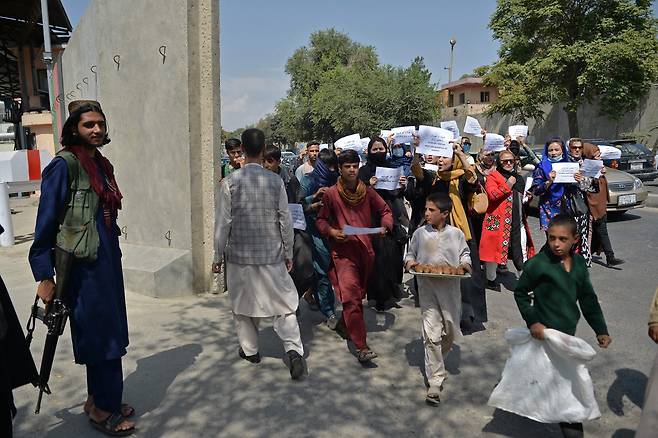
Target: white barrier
<point x="20" y="171"/>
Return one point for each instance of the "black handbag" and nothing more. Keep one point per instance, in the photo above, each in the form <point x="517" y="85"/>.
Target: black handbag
<point x="575" y="204"/>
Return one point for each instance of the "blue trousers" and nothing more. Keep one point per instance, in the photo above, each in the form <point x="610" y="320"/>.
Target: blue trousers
<point x="323" y="292"/>
<point x="105" y="384"/>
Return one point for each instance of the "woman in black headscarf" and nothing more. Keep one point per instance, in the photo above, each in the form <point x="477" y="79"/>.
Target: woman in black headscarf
<point x="386" y="279"/>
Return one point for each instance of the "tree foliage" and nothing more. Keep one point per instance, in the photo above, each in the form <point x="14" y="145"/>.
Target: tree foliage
<point x="572" y="52"/>
<point x="338" y="87"/>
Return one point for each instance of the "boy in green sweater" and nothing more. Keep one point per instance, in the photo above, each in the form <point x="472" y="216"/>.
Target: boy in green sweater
<point x="559" y="283"/>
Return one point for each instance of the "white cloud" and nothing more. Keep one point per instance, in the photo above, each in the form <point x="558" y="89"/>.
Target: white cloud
<point x="245" y="99"/>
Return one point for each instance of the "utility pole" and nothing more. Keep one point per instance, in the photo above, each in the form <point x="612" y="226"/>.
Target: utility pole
<point x="453" y="41"/>
<point x="47" y="50"/>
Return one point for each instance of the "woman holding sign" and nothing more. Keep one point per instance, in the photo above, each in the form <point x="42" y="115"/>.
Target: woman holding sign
<point x="386" y="280"/>
<point x="505" y="234"/>
<point x="551" y="193"/>
<point x="457" y="178"/>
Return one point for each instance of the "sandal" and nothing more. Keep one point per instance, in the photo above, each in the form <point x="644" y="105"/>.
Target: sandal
<point x="110" y="426"/>
<point x="433" y="399"/>
<point x="127" y="411"/>
<point x="366" y="355"/>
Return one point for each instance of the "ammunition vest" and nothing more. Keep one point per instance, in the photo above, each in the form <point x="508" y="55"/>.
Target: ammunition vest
<point x="77" y="230"/>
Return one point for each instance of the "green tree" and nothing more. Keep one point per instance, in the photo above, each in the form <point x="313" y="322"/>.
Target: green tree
<point x="338" y="87"/>
<point x="572" y="52"/>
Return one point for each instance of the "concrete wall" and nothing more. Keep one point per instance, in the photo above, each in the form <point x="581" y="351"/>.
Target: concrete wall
<point x="163" y="118"/>
<point x="592" y="125"/>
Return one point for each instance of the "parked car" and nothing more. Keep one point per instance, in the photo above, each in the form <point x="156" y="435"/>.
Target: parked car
<point x="635" y="159"/>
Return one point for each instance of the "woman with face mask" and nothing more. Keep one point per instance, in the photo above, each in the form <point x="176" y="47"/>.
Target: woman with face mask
<point x="384" y="285"/>
<point x="551" y="194"/>
<point x="505" y="234"/>
<point x="457" y="178"/>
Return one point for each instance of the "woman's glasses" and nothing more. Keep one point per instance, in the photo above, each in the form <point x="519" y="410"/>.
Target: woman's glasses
<point x="510" y="161"/>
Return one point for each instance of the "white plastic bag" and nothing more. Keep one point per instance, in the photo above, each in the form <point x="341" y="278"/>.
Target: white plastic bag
<point x="547" y="381"/>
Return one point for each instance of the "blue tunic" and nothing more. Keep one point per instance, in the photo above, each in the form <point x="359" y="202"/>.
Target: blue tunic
<point x="99" y="325"/>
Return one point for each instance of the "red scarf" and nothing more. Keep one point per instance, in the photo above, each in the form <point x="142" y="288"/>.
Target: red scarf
<point x="110" y="196"/>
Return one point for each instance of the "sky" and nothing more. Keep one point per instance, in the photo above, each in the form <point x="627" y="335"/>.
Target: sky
<point x="258" y="36"/>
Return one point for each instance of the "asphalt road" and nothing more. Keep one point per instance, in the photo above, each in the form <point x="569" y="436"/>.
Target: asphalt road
<point x="184" y="378"/>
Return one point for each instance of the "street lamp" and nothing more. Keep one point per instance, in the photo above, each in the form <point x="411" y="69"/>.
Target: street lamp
<point x="452" y="52"/>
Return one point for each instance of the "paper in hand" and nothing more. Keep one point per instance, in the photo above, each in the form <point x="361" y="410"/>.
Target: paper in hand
<point x="494" y="142"/>
<point x="472" y="126"/>
<point x="349" y="230"/>
<point x="387" y="178"/>
<point x="297" y="216"/>
<point x="564" y="172"/>
<point x="434" y="141"/>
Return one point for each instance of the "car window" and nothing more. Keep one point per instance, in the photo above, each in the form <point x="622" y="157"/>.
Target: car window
<point x="632" y="148"/>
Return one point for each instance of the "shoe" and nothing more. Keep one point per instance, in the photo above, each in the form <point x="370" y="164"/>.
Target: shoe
<point x="332" y="322"/>
<point x="614" y="261"/>
<point x="502" y="269"/>
<point x="296" y="365"/>
<point x="253" y="358"/>
<point x="310" y="300"/>
<point x="433" y="398"/>
<point x="492" y="285"/>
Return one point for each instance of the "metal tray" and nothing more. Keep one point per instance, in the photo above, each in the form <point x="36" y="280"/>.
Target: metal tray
<point x="428" y="274"/>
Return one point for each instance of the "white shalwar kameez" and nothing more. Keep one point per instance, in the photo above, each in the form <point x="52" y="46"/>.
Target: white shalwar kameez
<point x="440" y="298"/>
<point x="260" y="293"/>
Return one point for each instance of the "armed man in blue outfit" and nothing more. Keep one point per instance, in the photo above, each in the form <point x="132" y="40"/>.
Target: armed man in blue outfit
<point x="77" y="215"/>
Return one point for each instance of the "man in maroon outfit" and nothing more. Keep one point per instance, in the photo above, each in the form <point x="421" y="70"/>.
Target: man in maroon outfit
<point x="350" y="202"/>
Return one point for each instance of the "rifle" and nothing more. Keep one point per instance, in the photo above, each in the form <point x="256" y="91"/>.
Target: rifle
<point x="54" y="316"/>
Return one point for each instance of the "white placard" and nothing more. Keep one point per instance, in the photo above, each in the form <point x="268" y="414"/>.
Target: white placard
<point x="564" y="172"/>
<point x="494" y="142"/>
<point x="349" y="230"/>
<point x="404" y="134"/>
<point x="350" y="142"/>
<point x="387" y="178"/>
<point x="324" y="146"/>
<point x="472" y="126"/>
<point x="515" y="131"/>
<point x="364" y="143"/>
<point x="526" y="189"/>
<point x="592" y="168"/>
<point x="384" y="133"/>
<point x="451" y="125"/>
<point x="434" y="141"/>
<point x="297" y="216"/>
<point x="431" y="167"/>
<point x="609" y="152"/>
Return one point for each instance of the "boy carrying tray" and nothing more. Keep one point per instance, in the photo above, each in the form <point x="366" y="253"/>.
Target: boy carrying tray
<point x="438" y="243"/>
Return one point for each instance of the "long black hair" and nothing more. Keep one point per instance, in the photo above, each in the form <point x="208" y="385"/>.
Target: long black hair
<point x="70" y="128"/>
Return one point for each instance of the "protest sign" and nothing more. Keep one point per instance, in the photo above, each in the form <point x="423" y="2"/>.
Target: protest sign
<point x="592" y="168"/>
<point x="388" y="179"/>
<point x="517" y="131"/>
<point x="297" y="216"/>
<point x="434" y="141"/>
<point x="364" y="143"/>
<point x="472" y="126"/>
<point x="451" y="126"/>
<point x="324" y="146"/>
<point x="564" y="172"/>
<point x="431" y="167"/>
<point x="353" y="231"/>
<point x="350" y="142"/>
<point x="384" y="133"/>
<point x="404" y="134"/>
<point x="494" y="142"/>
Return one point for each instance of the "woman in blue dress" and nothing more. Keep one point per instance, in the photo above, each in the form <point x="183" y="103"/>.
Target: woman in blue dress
<point x="551" y="194"/>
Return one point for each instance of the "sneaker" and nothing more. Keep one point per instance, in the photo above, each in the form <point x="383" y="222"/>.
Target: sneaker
<point x="296" y="365"/>
<point x="366" y="355"/>
<point x="492" y="285"/>
<point x="253" y="358"/>
<point x="332" y="322"/>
